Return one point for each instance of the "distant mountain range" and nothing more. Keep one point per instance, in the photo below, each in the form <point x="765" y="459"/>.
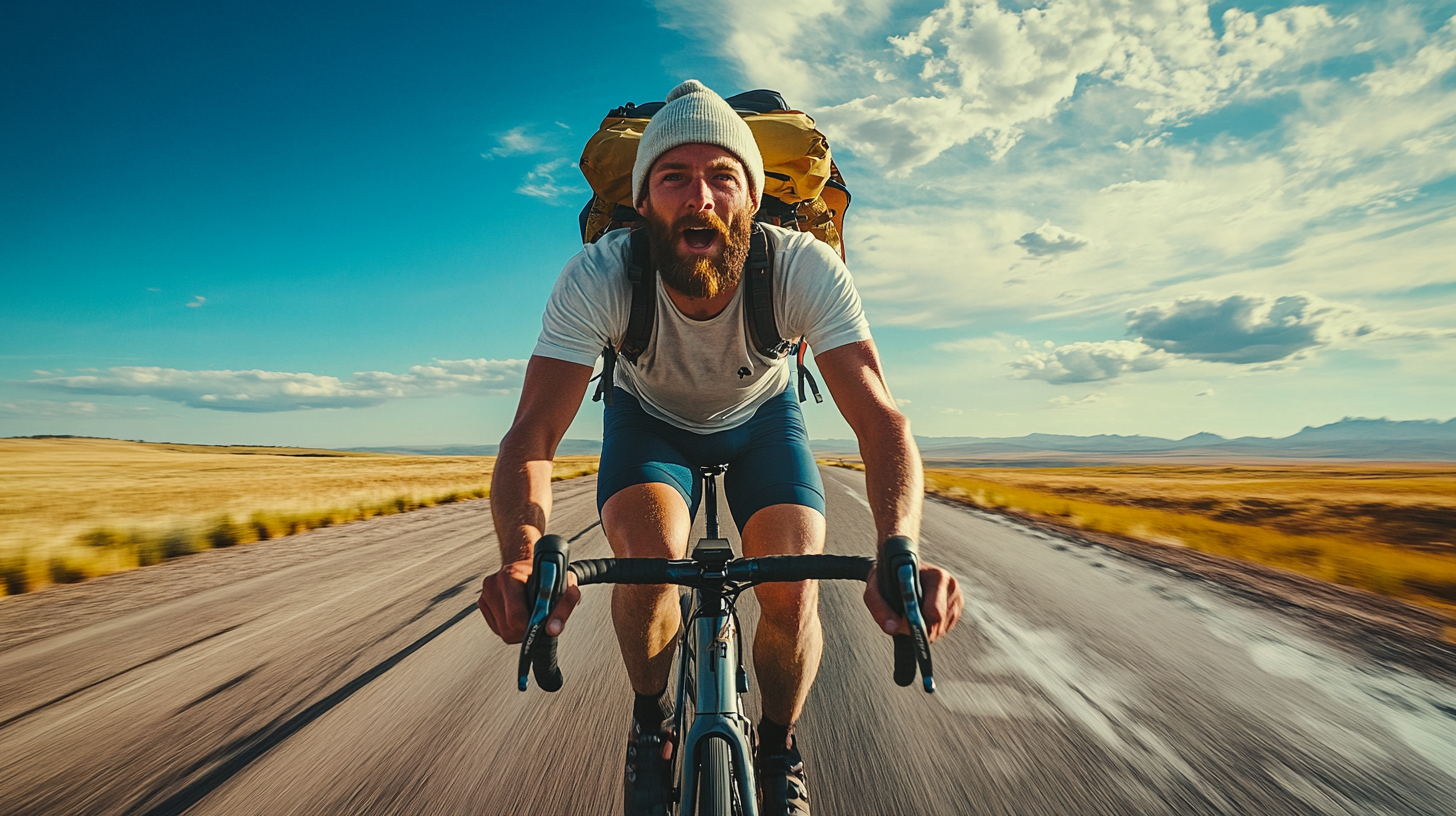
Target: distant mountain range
<point x="1427" y="440"/>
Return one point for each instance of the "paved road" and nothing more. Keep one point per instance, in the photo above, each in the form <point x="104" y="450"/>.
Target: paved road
<point x="344" y="671"/>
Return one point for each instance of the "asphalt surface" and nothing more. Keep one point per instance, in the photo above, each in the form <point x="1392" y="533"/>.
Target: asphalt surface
<point x="346" y="671"/>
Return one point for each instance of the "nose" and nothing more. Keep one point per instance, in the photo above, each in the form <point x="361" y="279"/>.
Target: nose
<point x="699" y="196"/>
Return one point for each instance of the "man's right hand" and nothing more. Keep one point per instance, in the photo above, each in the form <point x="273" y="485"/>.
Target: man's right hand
<point x="503" y="602"/>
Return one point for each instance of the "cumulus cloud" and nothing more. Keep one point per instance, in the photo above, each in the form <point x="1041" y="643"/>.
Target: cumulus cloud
<point x="1048" y="241"/>
<point x="1248" y="328"/>
<point x="543" y="182"/>
<point x="273" y="391"/>
<point x="1089" y="362"/>
<point x="986" y="71"/>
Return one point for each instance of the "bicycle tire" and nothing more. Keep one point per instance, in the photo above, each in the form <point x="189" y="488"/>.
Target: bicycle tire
<point x="715" y="779"/>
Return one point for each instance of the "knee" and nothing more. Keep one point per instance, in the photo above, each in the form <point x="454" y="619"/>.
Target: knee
<point x="789" y="607"/>
<point x="647" y="521"/>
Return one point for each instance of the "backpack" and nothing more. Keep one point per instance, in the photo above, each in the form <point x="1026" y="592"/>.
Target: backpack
<point x="803" y="190"/>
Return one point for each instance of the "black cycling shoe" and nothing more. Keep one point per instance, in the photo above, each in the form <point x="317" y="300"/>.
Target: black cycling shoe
<point x="647" y="786"/>
<point x="783" y="788"/>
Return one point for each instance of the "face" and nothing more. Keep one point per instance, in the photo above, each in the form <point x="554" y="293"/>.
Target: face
<point x="699" y="210"/>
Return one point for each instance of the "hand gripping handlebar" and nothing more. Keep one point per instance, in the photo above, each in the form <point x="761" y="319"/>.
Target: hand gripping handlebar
<point x="899" y="584"/>
<point x="899" y="579"/>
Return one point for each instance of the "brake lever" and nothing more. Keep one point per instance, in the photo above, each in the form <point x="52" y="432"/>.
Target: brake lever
<point x="549" y="564"/>
<point x="908" y="577"/>
<point x="900" y="587"/>
<point x="544" y="580"/>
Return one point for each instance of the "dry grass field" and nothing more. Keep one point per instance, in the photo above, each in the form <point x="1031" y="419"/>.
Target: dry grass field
<point x="78" y="508"/>
<point x="1387" y="529"/>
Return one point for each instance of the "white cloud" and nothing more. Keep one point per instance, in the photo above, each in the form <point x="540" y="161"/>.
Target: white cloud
<point x="272" y="391"/>
<point x="516" y="141"/>
<point x="197" y="300"/>
<point x="69" y="410"/>
<point x="800" y="49"/>
<point x="1050" y="241"/>
<point x="543" y="182"/>
<point x="1068" y="402"/>
<point x="975" y="345"/>
<point x="986" y="72"/>
<point x="1089" y="362"/>
<point x="1253" y="328"/>
<point x="1417" y="71"/>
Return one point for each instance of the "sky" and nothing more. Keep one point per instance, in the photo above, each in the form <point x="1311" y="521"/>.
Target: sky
<point x="337" y="223"/>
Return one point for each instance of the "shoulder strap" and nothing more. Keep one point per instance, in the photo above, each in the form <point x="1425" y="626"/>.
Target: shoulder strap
<point x="642" y="273"/>
<point x="758" y="312"/>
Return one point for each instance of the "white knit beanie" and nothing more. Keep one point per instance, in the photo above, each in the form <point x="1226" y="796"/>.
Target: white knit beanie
<point x="695" y="115"/>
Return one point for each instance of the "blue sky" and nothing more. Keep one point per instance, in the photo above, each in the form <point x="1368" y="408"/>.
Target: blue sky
<point x="336" y="224"/>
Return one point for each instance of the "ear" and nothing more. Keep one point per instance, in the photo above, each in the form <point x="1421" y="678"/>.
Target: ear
<point x="642" y="206"/>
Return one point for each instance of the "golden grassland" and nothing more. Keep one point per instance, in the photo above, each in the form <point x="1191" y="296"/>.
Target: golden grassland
<point x="72" y="509"/>
<point x="1389" y="529"/>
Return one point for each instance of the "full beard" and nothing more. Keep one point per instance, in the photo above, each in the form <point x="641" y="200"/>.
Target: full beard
<point x="700" y="276"/>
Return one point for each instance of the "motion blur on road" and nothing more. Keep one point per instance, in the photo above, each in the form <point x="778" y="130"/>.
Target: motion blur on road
<point x="346" y="671"/>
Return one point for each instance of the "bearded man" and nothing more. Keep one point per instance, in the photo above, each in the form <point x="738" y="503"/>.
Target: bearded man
<point x="701" y="394"/>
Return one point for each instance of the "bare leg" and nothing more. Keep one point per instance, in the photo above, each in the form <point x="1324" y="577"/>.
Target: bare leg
<point x="647" y="521"/>
<point x="789" y="641"/>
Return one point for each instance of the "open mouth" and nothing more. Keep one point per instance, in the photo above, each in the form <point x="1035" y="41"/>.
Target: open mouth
<point x="700" y="238"/>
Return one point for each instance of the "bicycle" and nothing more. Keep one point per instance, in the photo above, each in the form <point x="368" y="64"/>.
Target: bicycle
<point x="713" y="770"/>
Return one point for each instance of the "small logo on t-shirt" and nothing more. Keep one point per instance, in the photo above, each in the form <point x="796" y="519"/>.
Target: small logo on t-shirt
<point x="745" y="372"/>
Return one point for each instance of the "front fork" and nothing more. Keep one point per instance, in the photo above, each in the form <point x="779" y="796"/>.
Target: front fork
<point x="711" y="648"/>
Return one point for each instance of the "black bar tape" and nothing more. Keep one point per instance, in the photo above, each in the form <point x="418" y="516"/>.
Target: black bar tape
<point x="789" y="568"/>
<point x="626" y="571"/>
<point x="544" y="666"/>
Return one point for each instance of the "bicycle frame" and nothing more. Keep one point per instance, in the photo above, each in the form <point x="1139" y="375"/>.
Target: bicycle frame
<point x="710" y="664"/>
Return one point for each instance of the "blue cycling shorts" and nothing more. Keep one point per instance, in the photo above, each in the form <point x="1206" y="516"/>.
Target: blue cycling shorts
<point x="768" y="457"/>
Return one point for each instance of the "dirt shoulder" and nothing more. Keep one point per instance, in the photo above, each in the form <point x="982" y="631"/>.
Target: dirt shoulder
<point x="1382" y="628"/>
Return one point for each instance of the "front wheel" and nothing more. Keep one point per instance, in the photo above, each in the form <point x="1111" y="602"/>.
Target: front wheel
<point x="715" y="779"/>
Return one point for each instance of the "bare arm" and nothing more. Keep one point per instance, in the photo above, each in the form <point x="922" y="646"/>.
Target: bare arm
<point x="520" y="491"/>
<point x="520" y="487"/>
<point x="893" y="476"/>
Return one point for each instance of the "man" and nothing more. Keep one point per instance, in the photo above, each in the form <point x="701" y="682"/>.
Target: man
<point x="700" y="394"/>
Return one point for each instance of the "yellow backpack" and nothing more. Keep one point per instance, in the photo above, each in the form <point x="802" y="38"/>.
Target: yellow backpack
<point x="802" y="186"/>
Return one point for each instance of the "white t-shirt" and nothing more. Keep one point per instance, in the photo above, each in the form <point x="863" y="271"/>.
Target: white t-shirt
<point x="700" y="375"/>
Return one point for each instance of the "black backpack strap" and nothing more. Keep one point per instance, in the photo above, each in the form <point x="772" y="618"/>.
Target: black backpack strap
<point x="804" y="374"/>
<point x="642" y="273"/>
<point x="758" y="313"/>
<point x="609" y="369"/>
